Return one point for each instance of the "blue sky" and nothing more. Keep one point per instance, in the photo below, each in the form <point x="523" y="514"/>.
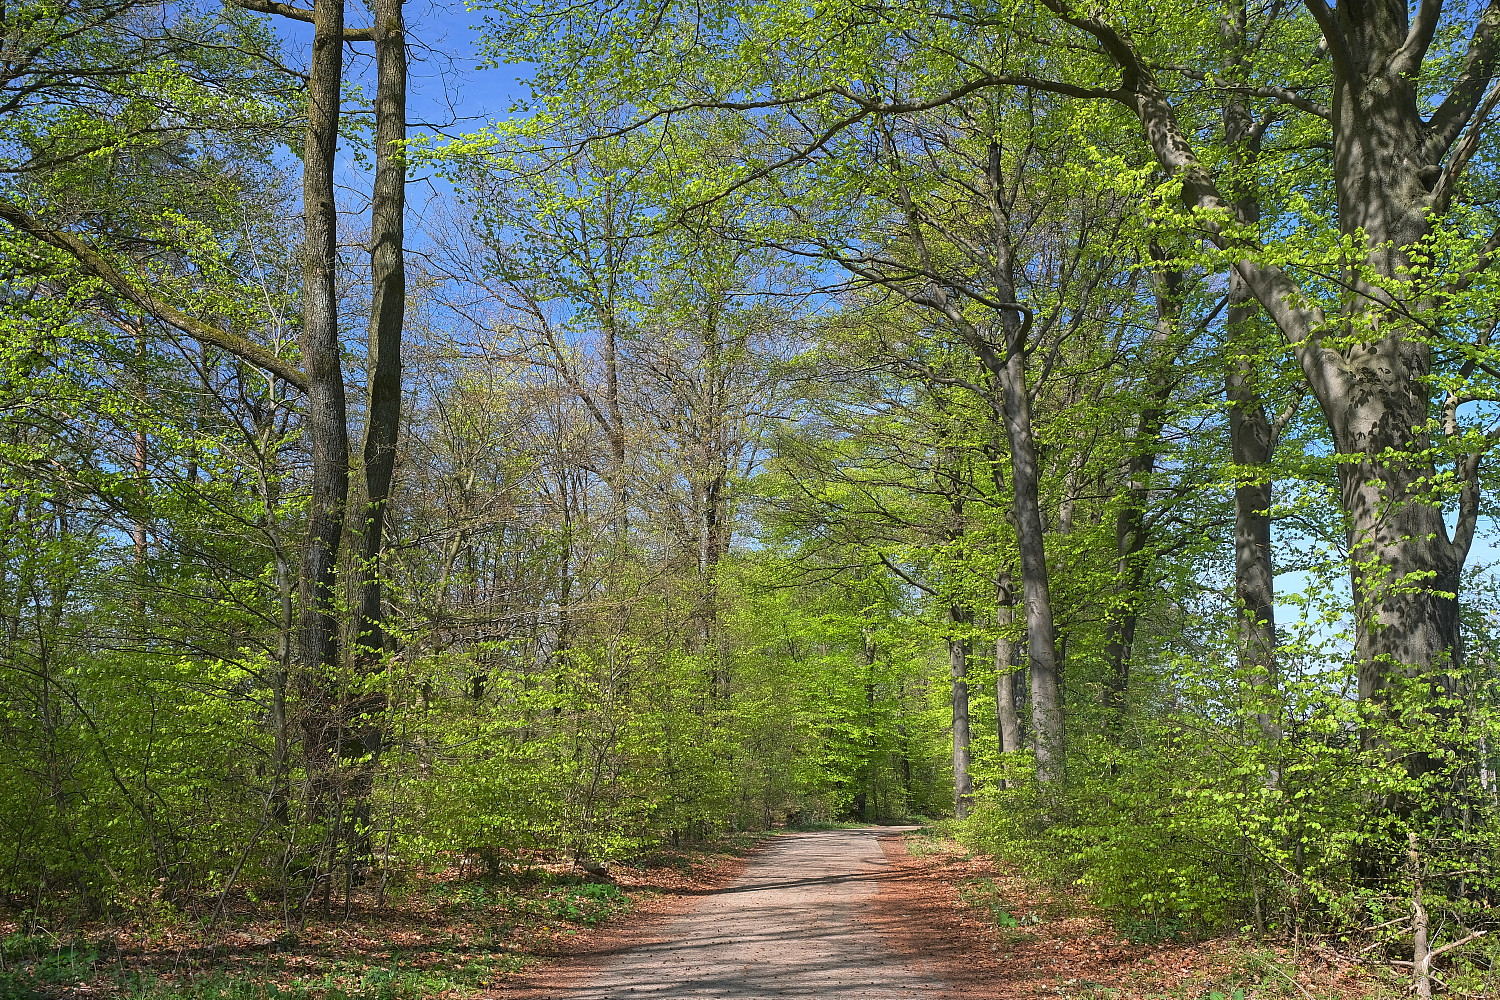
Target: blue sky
<point x="450" y="95"/>
<point x="447" y="92"/>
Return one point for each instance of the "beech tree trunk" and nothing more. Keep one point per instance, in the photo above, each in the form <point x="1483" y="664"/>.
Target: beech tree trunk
<point x="1405" y="571"/>
<point x="958" y="669"/>
<point x="1007" y="715"/>
<point x="1045" y="660"/>
<point x="1041" y="630"/>
<point x="1131" y="534"/>
<point x="1368" y="364"/>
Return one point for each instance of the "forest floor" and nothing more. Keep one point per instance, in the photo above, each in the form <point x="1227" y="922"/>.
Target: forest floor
<point x="994" y="934"/>
<point x="453" y="935"/>
<point x="877" y="914"/>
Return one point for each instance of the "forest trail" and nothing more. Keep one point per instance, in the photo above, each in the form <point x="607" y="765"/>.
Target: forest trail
<point x="795" y="924"/>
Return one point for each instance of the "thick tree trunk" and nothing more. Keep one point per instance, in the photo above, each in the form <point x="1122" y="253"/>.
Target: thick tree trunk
<point x="1369" y="365"/>
<point x="327" y="431"/>
<point x="1404" y="570"/>
<point x="1041" y="630"/>
<point x="383" y="412"/>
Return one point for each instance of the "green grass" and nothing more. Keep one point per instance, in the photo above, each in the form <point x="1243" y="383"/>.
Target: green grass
<point x="51" y="976"/>
<point x="934" y="839"/>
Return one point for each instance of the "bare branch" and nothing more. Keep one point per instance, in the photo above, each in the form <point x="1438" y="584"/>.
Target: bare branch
<point x="902" y="574"/>
<point x="1408" y="60"/>
<point x="1464" y="96"/>
<point x="1282" y="95"/>
<point x="1442" y="192"/>
<point x="304" y="14"/>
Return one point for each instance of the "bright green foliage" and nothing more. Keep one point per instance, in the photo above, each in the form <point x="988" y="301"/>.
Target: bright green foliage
<point x="705" y="484"/>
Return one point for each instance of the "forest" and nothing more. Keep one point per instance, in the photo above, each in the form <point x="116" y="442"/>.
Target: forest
<point x="1069" y="423"/>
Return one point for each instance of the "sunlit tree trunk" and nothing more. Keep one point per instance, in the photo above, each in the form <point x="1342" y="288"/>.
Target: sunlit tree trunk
<point x="958" y="670"/>
<point x="1007" y="660"/>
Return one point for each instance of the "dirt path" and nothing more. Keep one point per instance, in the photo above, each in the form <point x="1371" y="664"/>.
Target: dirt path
<point x="795" y="924"/>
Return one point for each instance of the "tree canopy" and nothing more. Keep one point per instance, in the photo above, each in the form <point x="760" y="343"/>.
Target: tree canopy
<point x="1075" y="420"/>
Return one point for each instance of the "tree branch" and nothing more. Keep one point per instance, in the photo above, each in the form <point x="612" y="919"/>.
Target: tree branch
<point x="1463" y="151"/>
<point x="894" y="569"/>
<point x="1464" y="96"/>
<point x="1338" y="45"/>
<point x="1408" y="59"/>
<point x="1434" y="953"/>
<point x="301" y="14"/>
<point x="1282" y="95"/>
<point x="96" y="264"/>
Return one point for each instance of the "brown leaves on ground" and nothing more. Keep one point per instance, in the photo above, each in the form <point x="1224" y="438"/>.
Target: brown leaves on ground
<point x="459" y="933"/>
<point x="942" y="911"/>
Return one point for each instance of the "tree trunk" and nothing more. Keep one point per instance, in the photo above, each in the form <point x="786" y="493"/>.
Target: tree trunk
<point x="1252" y="439"/>
<point x="1041" y="630"/>
<point x="1010" y="373"/>
<point x="326" y="418"/>
<point x="1007" y="659"/>
<point x="1368" y="365"/>
<point x="387" y="312"/>
<point x="958" y="670"/>
<point x="1130" y="522"/>
<point x="1404" y="570"/>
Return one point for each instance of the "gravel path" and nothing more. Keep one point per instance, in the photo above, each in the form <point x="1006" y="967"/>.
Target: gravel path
<point x="793" y="925"/>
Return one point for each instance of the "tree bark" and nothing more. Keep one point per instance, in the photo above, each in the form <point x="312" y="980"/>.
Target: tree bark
<point x="1131" y="535"/>
<point x="1007" y="716"/>
<point x="1390" y="174"/>
<point x="1405" y="571"/>
<point x="326" y="418"/>
<point x="387" y="312"/>
<point x="958" y="670"/>
<point x="1009" y="371"/>
<point x="1041" y="629"/>
<point x="1252" y="438"/>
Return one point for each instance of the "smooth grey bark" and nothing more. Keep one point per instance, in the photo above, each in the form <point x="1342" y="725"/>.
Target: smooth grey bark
<point x="387" y="313"/>
<point x="1007" y="659"/>
<point x="1007" y="369"/>
<point x="950" y="477"/>
<point x="1393" y="170"/>
<point x="958" y="671"/>
<point x="1041" y="628"/>
<point x="1014" y="322"/>
<point x="1405" y="568"/>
